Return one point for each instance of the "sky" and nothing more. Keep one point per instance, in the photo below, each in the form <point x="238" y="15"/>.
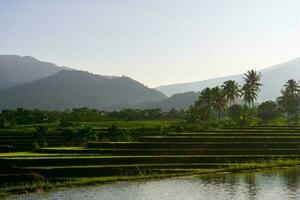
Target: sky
<point x="156" y="42"/>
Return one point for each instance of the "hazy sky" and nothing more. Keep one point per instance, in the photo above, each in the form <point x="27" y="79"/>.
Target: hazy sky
<point x="153" y="41"/>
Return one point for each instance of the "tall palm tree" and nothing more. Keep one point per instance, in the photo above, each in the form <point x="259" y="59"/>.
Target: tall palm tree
<point x="292" y="87"/>
<point x="289" y="100"/>
<point x="231" y="91"/>
<point x="206" y="96"/>
<point x="251" y="88"/>
<point x="202" y="108"/>
<point x="218" y="100"/>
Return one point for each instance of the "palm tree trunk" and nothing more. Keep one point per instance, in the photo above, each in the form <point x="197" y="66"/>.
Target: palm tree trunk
<point x="219" y="118"/>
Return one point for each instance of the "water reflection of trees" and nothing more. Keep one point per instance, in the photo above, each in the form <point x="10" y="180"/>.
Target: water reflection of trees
<point x="258" y="184"/>
<point x="291" y="179"/>
<point x="251" y="185"/>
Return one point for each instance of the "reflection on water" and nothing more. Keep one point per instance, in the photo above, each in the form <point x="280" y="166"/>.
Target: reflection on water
<point x="273" y="185"/>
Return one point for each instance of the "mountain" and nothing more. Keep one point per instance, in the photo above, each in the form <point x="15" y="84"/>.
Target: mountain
<point x="16" y="70"/>
<point x="71" y="88"/>
<point x="273" y="78"/>
<point x="177" y="101"/>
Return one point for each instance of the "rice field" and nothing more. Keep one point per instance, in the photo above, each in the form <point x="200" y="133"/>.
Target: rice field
<point x="150" y="155"/>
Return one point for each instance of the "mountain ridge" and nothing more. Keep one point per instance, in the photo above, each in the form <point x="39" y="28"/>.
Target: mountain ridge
<point x="17" y="70"/>
<point x="69" y="89"/>
<point x="273" y="78"/>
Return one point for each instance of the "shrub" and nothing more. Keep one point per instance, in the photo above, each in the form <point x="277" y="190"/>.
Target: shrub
<point x="68" y="135"/>
<point x="65" y="123"/>
<point x="127" y="134"/>
<point x="84" y="134"/>
<point x="228" y="123"/>
<point x="113" y="132"/>
<point x="267" y="111"/>
<point x="5" y="124"/>
<point x="234" y="112"/>
<point x="163" y="130"/>
<point x="116" y="134"/>
<point x="40" y="136"/>
<point x="179" y="128"/>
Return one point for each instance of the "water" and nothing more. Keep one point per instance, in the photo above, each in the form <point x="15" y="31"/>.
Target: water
<point x="272" y="185"/>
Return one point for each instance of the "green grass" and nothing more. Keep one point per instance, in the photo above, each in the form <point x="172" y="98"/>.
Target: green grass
<point x="159" y="165"/>
<point x="91" y="156"/>
<point x="105" y="124"/>
<point x="195" y="151"/>
<point x="133" y="124"/>
<point x="196" y="145"/>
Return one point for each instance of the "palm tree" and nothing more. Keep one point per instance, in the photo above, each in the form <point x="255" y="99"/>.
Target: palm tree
<point x="251" y="88"/>
<point x="218" y="100"/>
<point x="231" y="91"/>
<point x="292" y="87"/>
<point x="201" y="110"/>
<point x="206" y="96"/>
<point x="289" y="100"/>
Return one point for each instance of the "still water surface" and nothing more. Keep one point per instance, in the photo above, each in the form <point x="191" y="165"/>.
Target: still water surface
<point x="272" y="185"/>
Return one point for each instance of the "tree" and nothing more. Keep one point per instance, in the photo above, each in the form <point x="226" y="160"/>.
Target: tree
<point x="3" y="122"/>
<point x="218" y="100"/>
<point x="289" y="100"/>
<point x="234" y="112"/>
<point x="201" y="111"/>
<point x="251" y="88"/>
<point x="267" y="110"/>
<point x="231" y="91"/>
<point x="40" y="136"/>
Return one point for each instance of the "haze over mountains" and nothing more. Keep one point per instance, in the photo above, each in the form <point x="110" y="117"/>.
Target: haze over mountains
<point x="67" y="89"/>
<point x="29" y="83"/>
<point x="16" y="70"/>
<point x="273" y="78"/>
<point x="177" y="101"/>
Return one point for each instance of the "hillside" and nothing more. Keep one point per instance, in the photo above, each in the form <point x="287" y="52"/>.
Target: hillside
<point x="16" y="70"/>
<point x="69" y="89"/>
<point x="273" y="79"/>
<point x="177" y="101"/>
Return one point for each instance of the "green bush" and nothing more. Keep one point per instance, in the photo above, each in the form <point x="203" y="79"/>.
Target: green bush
<point x="84" y="134"/>
<point x="40" y="136"/>
<point x="65" y="123"/>
<point x="228" y="123"/>
<point x="117" y="134"/>
<point x="163" y="130"/>
<point x="178" y="128"/>
<point x="68" y="136"/>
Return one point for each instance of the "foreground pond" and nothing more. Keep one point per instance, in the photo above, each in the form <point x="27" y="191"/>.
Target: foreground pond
<point x="272" y="185"/>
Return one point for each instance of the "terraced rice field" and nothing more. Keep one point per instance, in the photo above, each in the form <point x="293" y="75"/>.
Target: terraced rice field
<point x="21" y="140"/>
<point x="151" y="154"/>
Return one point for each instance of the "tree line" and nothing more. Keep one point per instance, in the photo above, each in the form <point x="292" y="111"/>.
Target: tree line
<point x="21" y="116"/>
<point x="229" y="104"/>
<point x="233" y="104"/>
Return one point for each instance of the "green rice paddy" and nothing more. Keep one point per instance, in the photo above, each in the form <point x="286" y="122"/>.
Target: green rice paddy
<point x="149" y="156"/>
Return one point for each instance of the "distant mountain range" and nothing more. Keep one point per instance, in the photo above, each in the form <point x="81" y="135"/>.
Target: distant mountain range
<point x="273" y="78"/>
<point x="29" y="83"/>
<point x="54" y="88"/>
<point x="17" y="70"/>
<point x="178" y="101"/>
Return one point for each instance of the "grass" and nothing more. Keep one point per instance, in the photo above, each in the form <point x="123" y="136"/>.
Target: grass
<point x="106" y="124"/>
<point x="192" y="144"/>
<point x="63" y="156"/>
<point x="133" y="165"/>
